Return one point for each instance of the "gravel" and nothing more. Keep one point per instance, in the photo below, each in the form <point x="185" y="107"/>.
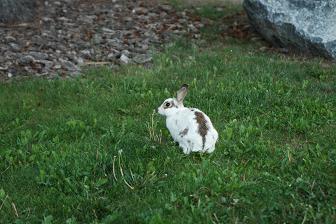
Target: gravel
<point x="72" y="34"/>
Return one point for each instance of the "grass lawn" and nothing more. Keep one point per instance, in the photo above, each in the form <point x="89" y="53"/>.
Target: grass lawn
<point x="90" y="150"/>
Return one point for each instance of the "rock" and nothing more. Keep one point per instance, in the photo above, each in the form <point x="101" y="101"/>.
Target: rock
<point x="68" y="65"/>
<point x="15" y="46"/>
<point x="307" y="26"/>
<point x="107" y="30"/>
<point x="97" y="38"/>
<point x="86" y="53"/>
<point x="87" y="19"/>
<point x="163" y="14"/>
<point x="27" y="59"/>
<point x="47" y="19"/>
<point x="39" y="55"/>
<point x="10" y="38"/>
<point x="124" y="59"/>
<point x="166" y="8"/>
<point x="192" y="28"/>
<point x="57" y="66"/>
<point x="113" y="54"/>
<point x="140" y="10"/>
<point x="46" y="63"/>
<point x="79" y="60"/>
<point x="11" y="72"/>
<point x="125" y="52"/>
<point x="263" y="48"/>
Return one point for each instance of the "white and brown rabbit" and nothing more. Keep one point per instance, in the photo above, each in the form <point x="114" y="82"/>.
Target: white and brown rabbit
<point x="190" y="127"/>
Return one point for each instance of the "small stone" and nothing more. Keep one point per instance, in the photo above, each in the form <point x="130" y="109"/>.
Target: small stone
<point x="192" y="28"/>
<point x="166" y="7"/>
<point x="68" y="65"/>
<point x="126" y="53"/>
<point x="47" y="64"/>
<point x="197" y="36"/>
<point x="27" y="59"/>
<point x="140" y="10"/>
<point x="219" y="9"/>
<point x="128" y="19"/>
<point x="29" y="70"/>
<point x="263" y="48"/>
<point x="163" y="14"/>
<point x="124" y="59"/>
<point x="86" y="53"/>
<point x="199" y="25"/>
<point x="284" y="50"/>
<point x="107" y="30"/>
<point x="182" y="21"/>
<point x="10" y="75"/>
<point x="257" y="38"/>
<point x="79" y="60"/>
<point x="10" y="39"/>
<point x="46" y="19"/>
<point x="151" y="15"/>
<point x="87" y="19"/>
<point x="15" y="46"/>
<point x="39" y="55"/>
<point x="144" y="47"/>
<point x="97" y="38"/>
<point x="64" y="19"/>
<point x="113" y="54"/>
<point x="13" y="71"/>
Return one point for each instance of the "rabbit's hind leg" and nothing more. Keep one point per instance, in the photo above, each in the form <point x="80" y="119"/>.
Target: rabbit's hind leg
<point x="211" y="149"/>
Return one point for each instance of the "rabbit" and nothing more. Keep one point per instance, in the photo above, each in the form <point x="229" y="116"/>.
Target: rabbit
<point x="189" y="127"/>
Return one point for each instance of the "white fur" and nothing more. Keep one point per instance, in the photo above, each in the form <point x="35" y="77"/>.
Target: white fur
<point x="180" y="118"/>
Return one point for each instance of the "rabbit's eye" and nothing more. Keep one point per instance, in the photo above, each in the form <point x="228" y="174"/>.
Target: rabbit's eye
<point x="167" y="104"/>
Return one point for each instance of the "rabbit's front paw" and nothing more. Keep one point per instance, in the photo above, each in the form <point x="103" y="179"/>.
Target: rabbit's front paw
<point x="186" y="150"/>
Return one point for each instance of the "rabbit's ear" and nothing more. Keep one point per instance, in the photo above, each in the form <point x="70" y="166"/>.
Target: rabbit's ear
<point x="182" y="93"/>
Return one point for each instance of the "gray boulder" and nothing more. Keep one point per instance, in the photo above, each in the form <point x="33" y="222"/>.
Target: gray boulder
<point x="308" y="26"/>
<point x="12" y="11"/>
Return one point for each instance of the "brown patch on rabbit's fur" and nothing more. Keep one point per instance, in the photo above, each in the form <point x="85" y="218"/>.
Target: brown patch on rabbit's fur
<point x="184" y="132"/>
<point x="202" y="126"/>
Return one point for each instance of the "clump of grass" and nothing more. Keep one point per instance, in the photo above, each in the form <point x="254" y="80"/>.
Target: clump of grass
<point x="218" y="12"/>
<point x="152" y="126"/>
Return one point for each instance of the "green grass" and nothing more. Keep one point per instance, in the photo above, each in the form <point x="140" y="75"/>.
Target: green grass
<point x="90" y="150"/>
<point x="215" y="13"/>
<point x="275" y="161"/>
<point x="212" y="9"/>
